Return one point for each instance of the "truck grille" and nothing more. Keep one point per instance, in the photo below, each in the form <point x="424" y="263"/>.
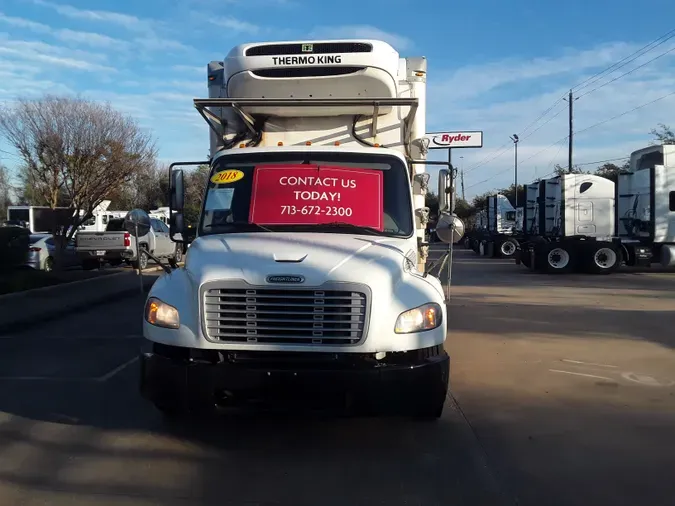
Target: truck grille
<point x="319" y="48"/>
<point x="306" y="72"/>
<point x="285" y="316"/>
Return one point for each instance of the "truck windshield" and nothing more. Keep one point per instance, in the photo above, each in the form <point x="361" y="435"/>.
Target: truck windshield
<point x="303" y="192"/>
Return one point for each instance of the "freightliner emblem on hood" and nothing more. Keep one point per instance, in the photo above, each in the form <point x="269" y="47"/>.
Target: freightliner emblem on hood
<point x="285" y="279"/>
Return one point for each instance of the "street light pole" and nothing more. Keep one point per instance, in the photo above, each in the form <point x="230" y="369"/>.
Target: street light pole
<point x="515" y="140"/>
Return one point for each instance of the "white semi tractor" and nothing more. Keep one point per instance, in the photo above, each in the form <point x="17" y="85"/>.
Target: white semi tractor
<point x="308" y="270"/>
<point x="499" y="237"/>
<point x="585" y="222"/>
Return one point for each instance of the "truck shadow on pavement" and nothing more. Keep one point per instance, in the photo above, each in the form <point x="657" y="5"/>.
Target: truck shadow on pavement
<point x="84" y="442"/>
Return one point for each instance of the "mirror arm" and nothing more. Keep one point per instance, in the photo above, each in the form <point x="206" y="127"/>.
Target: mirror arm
<point x="153" y="257"/>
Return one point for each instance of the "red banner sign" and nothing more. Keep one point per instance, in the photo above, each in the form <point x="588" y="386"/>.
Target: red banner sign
<point x="312" y="195"/>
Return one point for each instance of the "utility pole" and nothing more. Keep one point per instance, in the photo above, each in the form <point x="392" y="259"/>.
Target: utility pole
<point x="570" y="99"/>
<point x="461" y="174"/>
<point x="515" y="140"/>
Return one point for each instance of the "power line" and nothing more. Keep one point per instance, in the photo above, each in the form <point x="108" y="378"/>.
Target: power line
<point x="625" y="112"/>
<point x="578" y="132"/>
<point x="603" y="161"/>
<point x="626" y="60"/>
<point x="500" y="151"/>
<point x="524" y="130"/>
<point x="626" y="73"/>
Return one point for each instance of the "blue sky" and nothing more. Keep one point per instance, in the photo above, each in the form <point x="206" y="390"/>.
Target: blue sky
<point x="493" y="66"/>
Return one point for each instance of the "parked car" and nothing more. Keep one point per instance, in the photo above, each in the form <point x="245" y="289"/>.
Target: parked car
<point x="116" y="245"/>
<point x="41" y="254"/>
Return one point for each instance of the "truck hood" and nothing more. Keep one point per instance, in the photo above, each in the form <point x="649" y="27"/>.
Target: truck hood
<point x="317" y="257"/>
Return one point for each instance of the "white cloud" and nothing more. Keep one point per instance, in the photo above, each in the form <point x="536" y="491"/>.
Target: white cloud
<point x="54" y="55"/>
<point x="498" y="98"/>
<point x="399" y="42"/>
<point x="91" y="39"/>
<point x="235" y="25"/>
<point x="125" y="20"/>
<point x="66" y="35"/>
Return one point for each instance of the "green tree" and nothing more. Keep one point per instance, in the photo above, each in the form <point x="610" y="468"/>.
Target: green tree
<point x="559" y="170"/>
<point x="195" y="187"/>
<point x="431" y="201"/>
<point x="611" y="171"/>
<point x="480" y="201"/>
<point x="463" y="209"/>
<point x="663" y="134"/>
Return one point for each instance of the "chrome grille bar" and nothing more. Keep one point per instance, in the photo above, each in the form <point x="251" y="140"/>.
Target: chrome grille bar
<point x="285" y="316"/>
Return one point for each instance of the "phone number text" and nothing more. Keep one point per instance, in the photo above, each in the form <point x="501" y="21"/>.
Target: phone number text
<point x="316" y="210"/>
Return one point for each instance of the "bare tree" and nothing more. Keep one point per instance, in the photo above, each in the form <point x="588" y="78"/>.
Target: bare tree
<point x="5" y="188"/>
<point x="75" y="153"/>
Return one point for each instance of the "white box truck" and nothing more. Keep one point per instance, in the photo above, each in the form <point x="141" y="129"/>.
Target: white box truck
<point x="308" y="270"/>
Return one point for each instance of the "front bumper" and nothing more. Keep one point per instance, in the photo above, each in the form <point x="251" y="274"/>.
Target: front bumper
<point x="193" y="380"/>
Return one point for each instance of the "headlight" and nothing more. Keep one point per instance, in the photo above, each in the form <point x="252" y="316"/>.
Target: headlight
<point x="161" y="314"/>
<point x="426" y="317"/>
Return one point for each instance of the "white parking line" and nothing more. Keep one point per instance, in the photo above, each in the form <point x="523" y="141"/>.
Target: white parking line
<point x="570" y="361"/>
<point x="116" y="370"/>
<point x="582" y="374"/>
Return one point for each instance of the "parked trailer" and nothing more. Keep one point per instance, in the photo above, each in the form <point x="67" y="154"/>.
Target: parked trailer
<point x="583" y="222"/>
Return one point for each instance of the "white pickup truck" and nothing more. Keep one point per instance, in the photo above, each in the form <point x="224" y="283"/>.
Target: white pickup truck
<point x="116" y="245"/>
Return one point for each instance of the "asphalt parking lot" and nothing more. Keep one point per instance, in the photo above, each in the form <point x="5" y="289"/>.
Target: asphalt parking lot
<point x="562" y="394"/>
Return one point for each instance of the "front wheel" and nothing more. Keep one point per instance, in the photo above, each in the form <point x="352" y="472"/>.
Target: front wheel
<point x="558" y="259"/>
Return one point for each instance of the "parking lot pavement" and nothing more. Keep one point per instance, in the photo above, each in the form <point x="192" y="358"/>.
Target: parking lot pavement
<point x="564" y="392"/>
<point x="74" y="431"/>
<point x="567" y="381"/>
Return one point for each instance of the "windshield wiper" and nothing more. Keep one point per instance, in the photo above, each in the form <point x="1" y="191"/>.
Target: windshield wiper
<point x="350" y="226"/>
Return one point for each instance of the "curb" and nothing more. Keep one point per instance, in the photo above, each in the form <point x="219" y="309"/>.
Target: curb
<point x="43" y="297"/>
<point x="47" y="289"/>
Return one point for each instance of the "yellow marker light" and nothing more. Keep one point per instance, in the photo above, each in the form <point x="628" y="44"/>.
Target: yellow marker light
<point x="280" y="143"/>
<point x="376" y="145"/>
<point x="308" y="143"/>
<point x="337" y="143"/>
<point x="426" y="317"/>
<point x="242" y="145"/>
<point x="419" y="74"/>
<point x="161" y="314"/>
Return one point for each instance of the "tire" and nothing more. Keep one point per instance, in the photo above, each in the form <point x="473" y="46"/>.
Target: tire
<point x="603" y="259"/>
<point x="49" y="265"/>
<point x="508" y="248"/>
<point x="142" y="261"/>
<point x="558" y="259"/>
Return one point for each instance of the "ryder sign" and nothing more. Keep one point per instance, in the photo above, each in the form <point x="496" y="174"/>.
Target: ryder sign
<point x="312" y="195"/>
<point x="444" y="140"/>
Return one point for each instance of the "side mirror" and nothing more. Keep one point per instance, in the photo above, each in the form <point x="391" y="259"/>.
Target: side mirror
<point x="449" y="229"/>
<point x="177" y="227"/>
<point x="137" y="223"/>
<point x="176" y="191"/>
<point x="444" y="183"/>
